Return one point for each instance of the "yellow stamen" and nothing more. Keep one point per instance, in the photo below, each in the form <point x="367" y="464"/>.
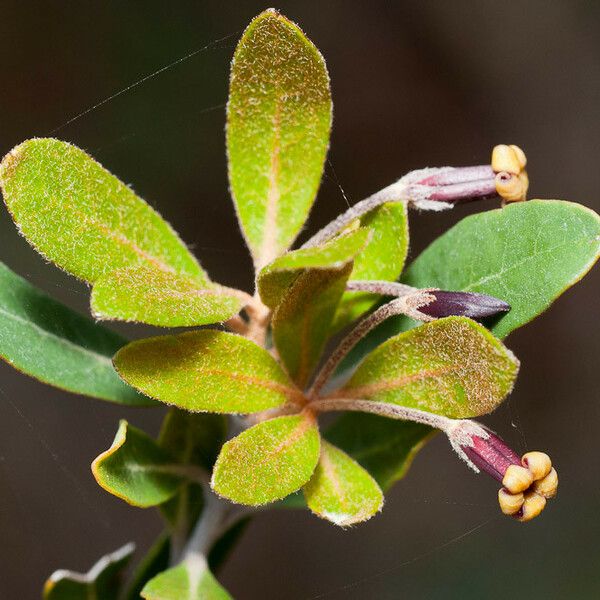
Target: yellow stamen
<point x="547" y="486"/>
<point x="533" y="505"/>
<point x="512" y="182"/>
<point x="510" y="503"/>
<point x="538" y="463"/>
<point x="517" y="479"/>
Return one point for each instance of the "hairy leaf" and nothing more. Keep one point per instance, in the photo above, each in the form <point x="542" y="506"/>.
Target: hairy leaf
<point x="46" y="340"/>
<point x="191" y="580"/>
<point x="527" y="254"/>
<point x="268" y="461"/>
<point x="278" y="123"/>
<point x="79" y="216"/>
<point x="206" y="371"/>
<point x="276" y="278"/>
<point x="384" y="447"/>
<point x="302" y="320"/>
<point x="148" y="295"/>
<point x="101" y="582"/>
<point x="136" y="469"/>
<point x="382" y="259"/>
<point x="340" y="490"/>
<point x="154" y="562"/>
<point x="453" y="367"/>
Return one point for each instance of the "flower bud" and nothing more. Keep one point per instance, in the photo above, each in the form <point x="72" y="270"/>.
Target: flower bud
<point x="463" y="304"/>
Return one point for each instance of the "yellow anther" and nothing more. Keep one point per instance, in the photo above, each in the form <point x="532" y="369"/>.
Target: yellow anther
<point x="533" y="505"/>
<point x="505" y="158"/>
<point x="547" y="486"/>
<point x="520" y="155"/>
<point x="538" y="463"/>
<point x="517" y="479"/>
<point x="510" y="503"/>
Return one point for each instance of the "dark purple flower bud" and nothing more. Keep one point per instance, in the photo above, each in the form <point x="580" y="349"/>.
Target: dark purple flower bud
<point x="528" y="481"/>
<point x="463" y="304"/>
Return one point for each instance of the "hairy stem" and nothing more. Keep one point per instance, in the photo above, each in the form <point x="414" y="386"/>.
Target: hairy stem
<point x="384" y="288"/>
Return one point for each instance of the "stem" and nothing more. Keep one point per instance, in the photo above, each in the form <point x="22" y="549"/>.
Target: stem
<point x="384" y="288"/>
<point x="405" y="305"/>
<point x="383" y="409"/>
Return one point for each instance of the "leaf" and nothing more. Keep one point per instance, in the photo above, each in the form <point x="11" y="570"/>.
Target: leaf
<point x="268" y="461"/>
<point x="46" y="340"/>
<point x="278" y="124"/>
<point x="206" y="371"/>
<point x="190" y="580"/>
<point x="340" y="490"/>
<point x="276" y="278"/>
<point x="301" y="322"/>
<point x="101" y="582"/>
<point x="148" y="295"/>
<point x="136" y="469"/>
<point x="79" y="216"/>
<point x="527" y="254"/>
<point x="382" y="259"/>
<point x="453" y="367"/>
<point x="384" y="447"/>
<point x="154" y="562"/>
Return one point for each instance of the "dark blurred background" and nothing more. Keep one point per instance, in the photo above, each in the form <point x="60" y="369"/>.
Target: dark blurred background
<point x="414" y="84"/>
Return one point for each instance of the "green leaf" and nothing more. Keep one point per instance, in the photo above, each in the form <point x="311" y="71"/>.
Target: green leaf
<point x="101" y="582"/>
<point x="276" y="278"/>
<point x="148" y="295"/>
<point x="46" y="340"/>
<point x="340" y="490"/>
<point x="154" y="562"/>
<point x="206" y="371"/>
<point x="301" y="322"/>
<point x="527" y="254"/>
<point x="453" y="367"/>
<point x="278" y="124"/>
<point x="191" y="580"/>
<point x="384" y="447"/>
<point x="268" y="461"/>
<point x="136" y="469"/>
<point x="382" y="259"/>
<point x="79" y="216"/>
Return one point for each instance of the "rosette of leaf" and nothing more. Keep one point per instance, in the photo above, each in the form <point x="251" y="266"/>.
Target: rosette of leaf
<point x="245" y="403"/>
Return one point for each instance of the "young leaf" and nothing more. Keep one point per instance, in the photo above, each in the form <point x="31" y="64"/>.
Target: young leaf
<point x="136" y="469"/>
<point x="276" y="278"/>
<point x="79" y="216"/>
<point x="154" y="562"/>
<point x="527" y="254"/>
<point x="101" y="582"/>
<point x="453" y="367"/>
<point x="382" y="259"/>
<point x="384" y="447"/>
<point x="46" y="340"/>
<point x="278" y="123"/>
<point x="340" y="490"/>
<point x="268" y="461"/>
<point x="190" y="580"/>
<point x="206" y="371"/>
<point x="302" y="320"/>
<point x="148" y="295"/>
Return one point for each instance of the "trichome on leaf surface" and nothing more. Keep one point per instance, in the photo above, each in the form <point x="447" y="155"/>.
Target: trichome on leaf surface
<point x="246" y="394"/>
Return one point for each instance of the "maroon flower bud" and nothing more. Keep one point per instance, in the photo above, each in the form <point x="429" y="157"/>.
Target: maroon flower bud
<point x="463" y="304"/>
<point x="528" y="481"/>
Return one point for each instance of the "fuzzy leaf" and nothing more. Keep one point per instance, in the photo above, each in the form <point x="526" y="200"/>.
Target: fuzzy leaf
<point x="453" y="367"/>
<point x="276" y="278"/>
<point x="384" y="447"/>
<point x="190" y="580"/>
<point x="46" y="340"/>
<point x="79" y="216"/>
<point x="382" y="259"/>
<point x="154" y="562"/>
<point x="136" y="469"/>
<point x="206" y="371"/>
<point x="148" y="295"/>
<point x="101" y="582"/>
<point x="340" y="490"/>
<point x="268" y="461"/>
<point x="526" y="254"/>
<point x="278" y="124"/>
<point x="302" y="320"/>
